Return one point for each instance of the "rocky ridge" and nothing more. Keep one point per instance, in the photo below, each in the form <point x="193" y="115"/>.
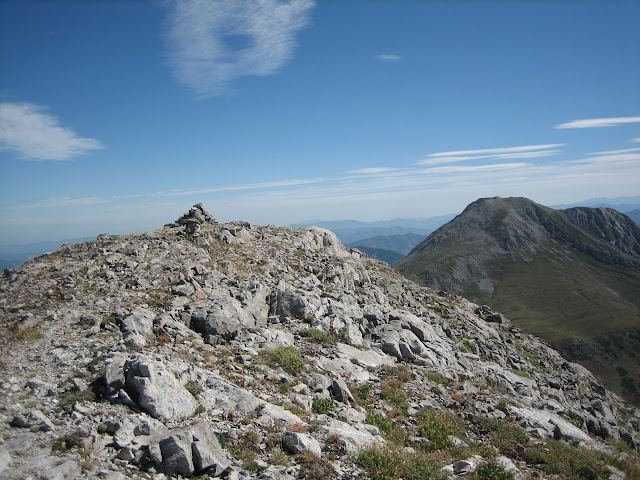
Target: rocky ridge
<point x="242" y="351"/>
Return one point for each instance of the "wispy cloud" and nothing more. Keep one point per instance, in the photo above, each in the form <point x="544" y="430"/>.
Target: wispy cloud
<point x="529" y="151"/>
<point x="36" y="135"/>
<point x="213" y="42"/>
<point x="488" y="151"/>
<point x="371" y="171"/>
<point x="599" y="122"/>
<point x="475" y="168"/>
<point x="388" y="57"/>
<point x="65" y="202"/>
<point x="636" y="140"/>
<point x="615" y="152"/>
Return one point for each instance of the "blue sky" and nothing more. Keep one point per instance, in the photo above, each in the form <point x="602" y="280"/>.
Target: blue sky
<point x="118" y="116"/>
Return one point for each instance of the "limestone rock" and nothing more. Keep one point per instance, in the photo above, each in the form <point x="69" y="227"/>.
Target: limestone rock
<point x="294" y="442"/>
<point x="157" y="391"/>
<point x="189" y="450"/>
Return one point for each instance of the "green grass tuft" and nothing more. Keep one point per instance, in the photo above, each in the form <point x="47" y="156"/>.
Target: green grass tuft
<point x="288" y="358"/>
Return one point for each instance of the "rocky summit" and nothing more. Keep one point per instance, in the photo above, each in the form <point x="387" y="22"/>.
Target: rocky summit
<point x="236" y="351"/>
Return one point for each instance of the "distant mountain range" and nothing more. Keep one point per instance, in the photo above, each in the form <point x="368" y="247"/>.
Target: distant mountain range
<point x="382" y="235"/>
<point x="14" y="255"/>
<point x="398" y="236"/>
<point x="571" y="276"/>
<point x="352" y="232"/>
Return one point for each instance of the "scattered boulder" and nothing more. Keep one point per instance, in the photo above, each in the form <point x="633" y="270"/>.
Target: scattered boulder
<point x="157" y="391"/>
<point x="190" y="450"/>
<point x="294" y="442"/>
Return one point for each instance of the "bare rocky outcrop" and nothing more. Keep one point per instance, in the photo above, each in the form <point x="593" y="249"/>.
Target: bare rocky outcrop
<point x="243" y="351"/>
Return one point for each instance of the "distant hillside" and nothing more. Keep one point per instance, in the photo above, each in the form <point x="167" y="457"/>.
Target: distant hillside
<point x="570" y="276"/>
<point x="14" y="255"/>
<point x="388" y="256"/>
<point x="634" y="215"/>
<point x="401" y="244"/>
<point x="621" y="204"/>
<point x="350" y="231"/>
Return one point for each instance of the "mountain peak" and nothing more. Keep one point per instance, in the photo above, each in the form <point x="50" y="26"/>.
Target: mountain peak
<point x="542" y="267"/>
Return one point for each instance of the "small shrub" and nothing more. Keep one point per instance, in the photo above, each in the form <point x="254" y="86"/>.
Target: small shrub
<point x="65" y="443"/>
<point x="322" y="405"/>
<point x="27" y="334"/>
<point x="70" y="398"/>
<point x="505" y="435"/>
<point x="279" y="458"/>
<point x="313" y="468"/>
<point x="394" y="393"/>
<point x="492" y="471"/>
<point x="297" y="427"/>
<point x="391" y="464"/>
<point x="363" y="391"/>
<point x="521" y="373"/>
<point x="399" y="372"/>
<point x="288" y="358"/>
<point x="437" y="378"/>
<point x="319" y="336"/>
<point x="391" y="431"/>
<point x="437" y="425"/>
<point x="559" y="458"/>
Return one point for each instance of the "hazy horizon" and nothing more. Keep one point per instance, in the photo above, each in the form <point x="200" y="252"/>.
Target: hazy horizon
<point x="118" y="116"/>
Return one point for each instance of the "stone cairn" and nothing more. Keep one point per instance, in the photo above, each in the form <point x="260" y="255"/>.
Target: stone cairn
<point x="194" y="218"/>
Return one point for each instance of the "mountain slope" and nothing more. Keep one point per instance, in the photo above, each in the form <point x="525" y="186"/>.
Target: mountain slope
<point x="388" y="256"/>
<point x="241" y="351"/>
<point x="349" y="231"/>
<point x="402" y="243"/>
<point x="569" y="276"/>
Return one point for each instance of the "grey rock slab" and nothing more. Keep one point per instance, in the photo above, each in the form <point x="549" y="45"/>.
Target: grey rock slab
<point x="294" y="442"/>
<point x="275" y="337"/>
<point x="278" y="413"/>
<point x="343" y="367"/>
<point x="510" y="467"/>
<point x="368" y="358"/>
<point x="228" y="397"/>
<point x="157" y="391"/>
<point x="114" y="371"/>
<point x="139" y="321"/>
<point x="341" y="391"/>
<point x="5" y="460"/>
<point x="462" y="468"/>
<point x="351" y="437"/>
<point x="67" y="470"/>
<point x="287" y="303"/>
<point x="553" y="425"/>
<point x="189" y="450"/>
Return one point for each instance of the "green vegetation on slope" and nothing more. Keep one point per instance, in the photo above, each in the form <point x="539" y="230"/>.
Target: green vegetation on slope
<point x="571" y="277"/>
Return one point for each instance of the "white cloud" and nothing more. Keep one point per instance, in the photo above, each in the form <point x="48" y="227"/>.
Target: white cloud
<point x="609" y="160"/>
<point x="202" y="33"/>
<point x="25" y="128"/>
<point x="614" y="152"/>
<point x="599" y="122"/>
<point x="475" y="168"/>
<point x="441" y="160"/>
<point x="490" y="151"/>
<point x="371" y="171"/>
<point x="636" y="140"/>
<point x="387" y="57"/>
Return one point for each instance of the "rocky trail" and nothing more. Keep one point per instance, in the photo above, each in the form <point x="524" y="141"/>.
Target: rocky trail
<point x="238" y="351"/>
